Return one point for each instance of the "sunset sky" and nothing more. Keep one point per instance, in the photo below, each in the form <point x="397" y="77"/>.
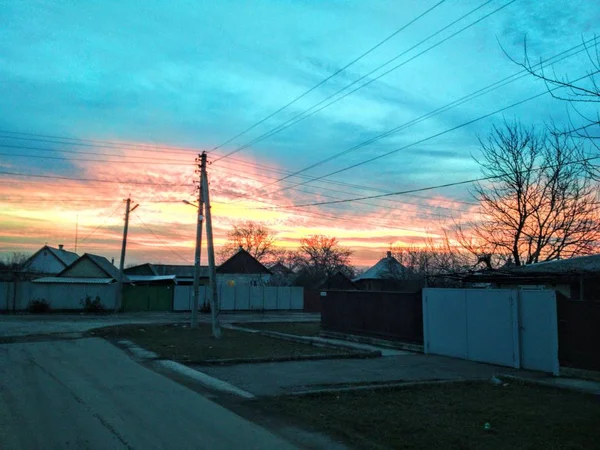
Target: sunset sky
<point x="102" y="100"/>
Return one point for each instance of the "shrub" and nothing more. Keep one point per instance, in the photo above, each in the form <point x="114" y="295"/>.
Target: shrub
<point x="39" y="306"/>
<point x="92" y="305"/>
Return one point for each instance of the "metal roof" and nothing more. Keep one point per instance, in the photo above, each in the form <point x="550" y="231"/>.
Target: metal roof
<point x="140" y="278"/>
<point x="385" y="269"/>
<point x="74" y="280"/>
<point x="63" y="255"/>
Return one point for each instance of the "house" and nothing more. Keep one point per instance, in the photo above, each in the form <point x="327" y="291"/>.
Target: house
<point x="242" y="268"/>
<point x="184" y="274"/>
<point x="89" y="276"/>
<point x="388" y="275"/>
<point x="49" y="261"/>
<point x="575" y="278"/>
<point x="89" y="268"/>
<point x="338" y="281"/>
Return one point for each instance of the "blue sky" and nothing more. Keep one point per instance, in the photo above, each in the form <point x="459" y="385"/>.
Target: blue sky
<point x="193" y="74"/>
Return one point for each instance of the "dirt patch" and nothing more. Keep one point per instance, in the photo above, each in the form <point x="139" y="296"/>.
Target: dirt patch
<point x="180" y="343"/>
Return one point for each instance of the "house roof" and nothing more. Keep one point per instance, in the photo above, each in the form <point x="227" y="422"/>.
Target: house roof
<point x="337" y="281"/>
<point x="150" y="278"/>
<point x="280" y="268"/>
<point x="386" y="268"/>
<point x="547" y="270"/>
<point x="74" y="280"/>
<point x="180" y="271"/>
<point x="105" y="265"/>
<point x="64" y="256"/>
<point x="242" y="262"/>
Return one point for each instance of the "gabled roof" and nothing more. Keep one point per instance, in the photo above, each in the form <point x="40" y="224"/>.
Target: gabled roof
<point x="281" y="269"/>
<point x="338" y="281"/>
<point x="242" y="263"/>
<point x="105" y="265"/>
<point x="65" y="257"/>
<point x="100" y="261"/>
<point x="385" y="269"/>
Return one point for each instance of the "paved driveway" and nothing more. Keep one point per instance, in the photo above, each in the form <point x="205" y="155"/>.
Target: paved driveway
<point x="26" y="324"/>
<point x="295" y="376"/>
<point x="87" y="394"/>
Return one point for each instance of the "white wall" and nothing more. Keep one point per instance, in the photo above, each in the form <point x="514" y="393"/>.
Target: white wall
<point x="60" y="295"/>
<point x="243" y="297"/>
<point x="45" y="262"/>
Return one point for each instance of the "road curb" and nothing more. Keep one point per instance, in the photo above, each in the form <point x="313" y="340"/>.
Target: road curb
<point x="552" y="384"/>
<point x="373" y="341"/>
<point x="202" y="378"/>
<point x="376" y="386"/>
<point x="308" y="340"/>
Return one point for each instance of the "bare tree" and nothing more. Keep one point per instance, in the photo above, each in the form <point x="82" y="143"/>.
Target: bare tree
<point x="253" y="237"/>
<point x="539" y="203"/>
<point x="324" y="255"/>
<point x="13" y="261"/>
<point x="435" y="262"/>
<point x="584" y="89"/>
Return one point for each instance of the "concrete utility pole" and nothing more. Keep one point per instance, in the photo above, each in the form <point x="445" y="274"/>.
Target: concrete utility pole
<point x="200" y="206"/>
<point x="214" y="305"/>
<point x="119" y="298"/>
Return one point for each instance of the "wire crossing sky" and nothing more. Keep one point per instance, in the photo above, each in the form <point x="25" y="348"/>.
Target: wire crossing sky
<point x="327" y="105"/>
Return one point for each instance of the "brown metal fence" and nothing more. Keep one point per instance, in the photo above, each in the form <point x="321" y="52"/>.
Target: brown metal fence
<point x="312" y="301"/>
<point x="578" y="333"/>
<point x="389" y="315"/>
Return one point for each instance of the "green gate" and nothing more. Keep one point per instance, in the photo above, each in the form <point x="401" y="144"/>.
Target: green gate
<point x="148" y="298"/>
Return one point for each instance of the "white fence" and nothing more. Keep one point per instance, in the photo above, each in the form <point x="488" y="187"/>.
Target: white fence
<point x="243" y="298"/>
<point x="17" y="295"/>
<point x="498" y="326"/>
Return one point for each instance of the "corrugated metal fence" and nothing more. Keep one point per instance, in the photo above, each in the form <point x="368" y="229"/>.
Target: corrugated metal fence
<point x="390" y="315"/>
<point x="243" y="298"/>
<point x="15" y="296"/>
<point x="579" y="333"/>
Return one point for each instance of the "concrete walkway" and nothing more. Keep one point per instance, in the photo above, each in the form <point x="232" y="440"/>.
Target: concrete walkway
<point x="268" y="379"/>
<point x="30" y="324"/>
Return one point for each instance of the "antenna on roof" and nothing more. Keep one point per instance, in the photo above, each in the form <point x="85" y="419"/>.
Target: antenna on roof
<point x="76" y="230"/>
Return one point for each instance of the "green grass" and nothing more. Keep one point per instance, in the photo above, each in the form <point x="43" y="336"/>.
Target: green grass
<point x="180" y="343"/>
<point x="296" y="328"/>
<point x="451" y="416"/>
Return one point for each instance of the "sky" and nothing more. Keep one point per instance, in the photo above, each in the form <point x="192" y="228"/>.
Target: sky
<point x="104" y="100"/>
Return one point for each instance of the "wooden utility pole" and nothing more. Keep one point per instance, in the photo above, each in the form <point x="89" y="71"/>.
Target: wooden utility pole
<point x="195" y="302"/>
<point x="214" y="304"/>
<point x="119" y="298"/>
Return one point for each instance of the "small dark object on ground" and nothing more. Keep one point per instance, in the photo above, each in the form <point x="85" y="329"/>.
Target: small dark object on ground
<point x="39" y="306"/>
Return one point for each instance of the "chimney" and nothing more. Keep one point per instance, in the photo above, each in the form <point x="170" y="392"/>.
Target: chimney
<point x="389" y="254"/>
<point x="61" y="246"/>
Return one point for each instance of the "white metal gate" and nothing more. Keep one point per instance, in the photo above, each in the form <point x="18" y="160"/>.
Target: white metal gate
<point x="498" y="326"/>
<point x="538" y="330"/>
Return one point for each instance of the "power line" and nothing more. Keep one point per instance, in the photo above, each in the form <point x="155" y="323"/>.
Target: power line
<point x="95" y="180"/>
<point x="62" y="158"/>
<point x="94" y="143"/>
<point x="496" y="85"/>
<point x="428" y="138"/>
<point x="409" y="191"/>
<point x="337" y="72"/>
<point x="102" y="224"/>
<point x="160" y="240"/>
<point x="311" y="111"/>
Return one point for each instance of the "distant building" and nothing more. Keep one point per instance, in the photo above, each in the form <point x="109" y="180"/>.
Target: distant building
<point x="87" y="269"/>
<point x="337" y="282"/>
<point x="575" y="278"/>
<point x="243" y="268"/>
<point x="49" y="261"/>
<point x="388" y="275"/>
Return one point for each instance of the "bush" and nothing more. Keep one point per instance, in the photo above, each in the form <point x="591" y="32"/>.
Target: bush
<point x="92" y="305"/>
<point x="39" y="306"/>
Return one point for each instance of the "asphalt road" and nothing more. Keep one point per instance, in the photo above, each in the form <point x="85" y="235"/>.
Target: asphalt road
<point x="87" y="394"/>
